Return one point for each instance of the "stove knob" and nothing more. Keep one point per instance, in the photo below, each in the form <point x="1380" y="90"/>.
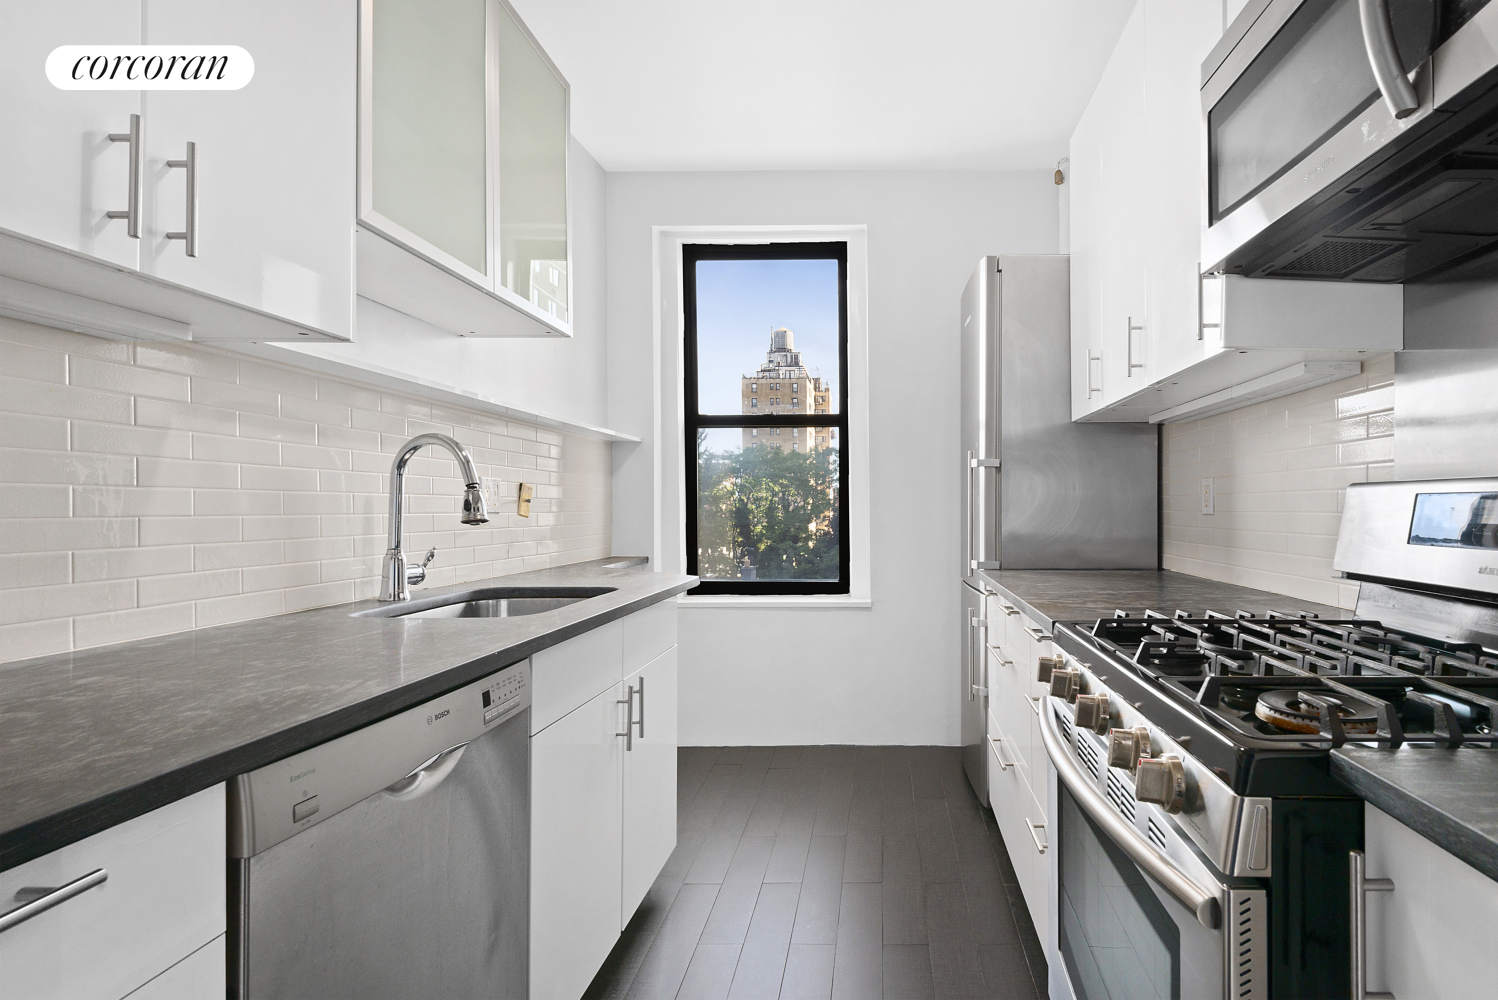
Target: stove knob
<point x="1091" y="708"/>
<point x="1161" y="780"/>
<point x="1044" y="666"/>
<point x="1065" y="683"/>
<point x="1127" y="746"/>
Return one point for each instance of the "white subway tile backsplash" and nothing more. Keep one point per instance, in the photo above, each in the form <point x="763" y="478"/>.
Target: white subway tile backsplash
<point x="34" y="500"/>
<point x="131" y="563"/>
<point x="54" y="534"/>
<point x="187" y="416"/>
<point x="34" y="569"/>
<point x="1280" y="469"/>
<point x="19" y="395"/>
<point x="130" y="623"/>
<point x="126" y="378"/>
<point x="148" y="488"/>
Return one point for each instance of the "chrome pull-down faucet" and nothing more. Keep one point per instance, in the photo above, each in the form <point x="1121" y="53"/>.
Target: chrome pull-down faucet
<point x="395" y="584"/>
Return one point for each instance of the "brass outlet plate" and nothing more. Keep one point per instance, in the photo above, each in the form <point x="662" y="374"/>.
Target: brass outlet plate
<point x="523" y="505"/>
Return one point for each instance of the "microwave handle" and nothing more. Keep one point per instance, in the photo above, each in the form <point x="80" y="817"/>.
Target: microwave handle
<point x="1383" y="57"/>
<point x="1157" y="866"/>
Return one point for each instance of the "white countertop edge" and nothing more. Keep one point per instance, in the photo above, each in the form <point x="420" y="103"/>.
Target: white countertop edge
<point x="789" y="601"/>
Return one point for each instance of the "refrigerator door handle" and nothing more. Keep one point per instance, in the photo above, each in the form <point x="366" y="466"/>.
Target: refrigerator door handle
<point x="974" y="562"/>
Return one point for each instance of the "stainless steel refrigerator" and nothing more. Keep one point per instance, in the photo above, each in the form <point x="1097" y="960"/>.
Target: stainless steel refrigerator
<point x="1039" y="492"/>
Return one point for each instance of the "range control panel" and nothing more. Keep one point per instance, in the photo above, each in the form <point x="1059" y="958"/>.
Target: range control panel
<point x="503" y="696"/>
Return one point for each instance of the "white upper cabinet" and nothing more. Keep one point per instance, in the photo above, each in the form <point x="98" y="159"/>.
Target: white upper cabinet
<point x="463" y="195"/>
<point x="181" y="214"/>
<point x="60" y="175"/>
<point x="274" y="162"/>
<point x="1107" y="172"/>
<point x="1151" y="338"/>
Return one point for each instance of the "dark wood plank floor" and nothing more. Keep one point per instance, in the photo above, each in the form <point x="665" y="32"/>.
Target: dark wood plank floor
<point x="829" y="872"/>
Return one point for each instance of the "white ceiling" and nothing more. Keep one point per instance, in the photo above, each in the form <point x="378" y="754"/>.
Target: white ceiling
<point x="826" y="84"/>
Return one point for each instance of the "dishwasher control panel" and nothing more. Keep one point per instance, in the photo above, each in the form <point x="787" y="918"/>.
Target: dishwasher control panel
<point x="505" y="696"/>
<point x="280" y="800"/>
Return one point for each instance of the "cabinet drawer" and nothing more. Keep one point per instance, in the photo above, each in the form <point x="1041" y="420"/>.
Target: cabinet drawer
<point x="648" y="634"/>
<point x="163" y="899"/>
<point x="1006" y="620"/>
<point x="570" y="673"/>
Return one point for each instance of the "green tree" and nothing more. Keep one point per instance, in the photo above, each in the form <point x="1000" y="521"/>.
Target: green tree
<point x="777" y="509"/>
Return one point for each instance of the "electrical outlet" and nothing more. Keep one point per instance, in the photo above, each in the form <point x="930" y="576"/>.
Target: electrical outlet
<point x="1209" y="496"/>
<point x="490" y="488"/>
<point x="523" y="502"/>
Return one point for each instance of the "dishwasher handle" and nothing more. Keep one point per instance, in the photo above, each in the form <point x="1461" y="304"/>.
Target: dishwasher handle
<point x="428" y="776"/>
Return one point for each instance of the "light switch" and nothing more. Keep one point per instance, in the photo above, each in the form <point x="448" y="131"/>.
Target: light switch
<point x="305" y="809"/>
<point x="1209" y="497"/>
<point x="523" y="503"/>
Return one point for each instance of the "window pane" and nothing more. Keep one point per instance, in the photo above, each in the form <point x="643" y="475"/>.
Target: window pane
<point x="766" y="511"/>
<point x="767" y="319"/>
<point x="429" y="130"/>
<point x="532" y="172"/>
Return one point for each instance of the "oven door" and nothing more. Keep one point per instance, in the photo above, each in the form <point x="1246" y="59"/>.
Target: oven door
<point x="1140" y="913"/>
<point x="1291" y="104"/>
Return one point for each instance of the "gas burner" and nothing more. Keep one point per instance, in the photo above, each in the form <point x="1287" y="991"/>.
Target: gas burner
<point x="1292" y="712"/>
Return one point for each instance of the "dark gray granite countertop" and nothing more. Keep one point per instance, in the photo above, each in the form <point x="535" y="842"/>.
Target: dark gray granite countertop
<point x="1074" y="595"/>
<point x="1450" y="797"/>
<point x="92" y="738"/>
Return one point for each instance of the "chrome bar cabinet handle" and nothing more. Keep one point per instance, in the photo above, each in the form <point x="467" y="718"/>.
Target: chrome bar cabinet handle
<point x="628" y="701"/>
<point x="49" y="898"/>
<point x="1032" y="826"/>
<point x="997" y="745"/>
<point x="1359" y="886"/>
<point x="1383" y="58"/>
<point x="130" y="214"/>
<point x="1129" y="348"/>
<point x="974" y="650"/>
<point x="640" y="721"/>
<point x="1091" y="357"/>
<point x="1183" y="887"/>
<point x="190" y="233"/>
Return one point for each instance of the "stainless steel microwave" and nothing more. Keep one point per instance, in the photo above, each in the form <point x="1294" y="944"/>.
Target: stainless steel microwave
<point x="1353" y="140"/>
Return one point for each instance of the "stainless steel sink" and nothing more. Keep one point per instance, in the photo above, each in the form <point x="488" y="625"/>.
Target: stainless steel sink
<point x="489" y="602"/>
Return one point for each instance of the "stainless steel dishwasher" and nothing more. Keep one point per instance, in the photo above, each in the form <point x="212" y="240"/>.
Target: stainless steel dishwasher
<point x="391" y="862"/>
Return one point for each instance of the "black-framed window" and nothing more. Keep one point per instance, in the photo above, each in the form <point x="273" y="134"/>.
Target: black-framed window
<point x="765" y="463"/>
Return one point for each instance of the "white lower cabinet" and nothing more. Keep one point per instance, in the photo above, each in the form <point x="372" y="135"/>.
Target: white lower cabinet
<point x="160" y="908"/>
<point x="649" y="780"/>
<point x="1019" y="772"/>
<point x="1025" y="826"/>
<point x="576" y="877"/>
<point x="1431" y="937"/>
<point x="199" y="975"/>
<point x="603" y="791"/>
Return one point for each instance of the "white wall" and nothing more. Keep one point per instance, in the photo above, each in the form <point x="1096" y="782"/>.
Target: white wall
<point x="886" y="674"/>
<point x="550" y="376"/>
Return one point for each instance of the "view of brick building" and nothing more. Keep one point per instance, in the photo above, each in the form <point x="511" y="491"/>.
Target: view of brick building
<point x="784" y="385"/>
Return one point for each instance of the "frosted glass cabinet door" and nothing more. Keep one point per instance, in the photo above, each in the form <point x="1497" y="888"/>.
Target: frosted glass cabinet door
<point x="426" y="155"/>
<point x="59" y="172"/>
<point x="532" y="172"/>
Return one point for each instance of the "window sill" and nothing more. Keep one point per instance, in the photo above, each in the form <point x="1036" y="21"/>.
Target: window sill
<point x="813" y="601"/>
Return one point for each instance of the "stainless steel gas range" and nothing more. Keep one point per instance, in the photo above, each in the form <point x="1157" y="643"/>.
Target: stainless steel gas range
<point x="1204" y="848"/>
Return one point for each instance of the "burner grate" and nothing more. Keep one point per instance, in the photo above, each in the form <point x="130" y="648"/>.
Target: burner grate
<point x="1416" y="688"/>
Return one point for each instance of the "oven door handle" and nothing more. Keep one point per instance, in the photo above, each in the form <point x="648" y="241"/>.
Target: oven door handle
<point x="1183" y="887"/>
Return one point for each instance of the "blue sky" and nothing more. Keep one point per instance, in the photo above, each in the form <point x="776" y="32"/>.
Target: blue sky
<point x="739" y="301"/>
